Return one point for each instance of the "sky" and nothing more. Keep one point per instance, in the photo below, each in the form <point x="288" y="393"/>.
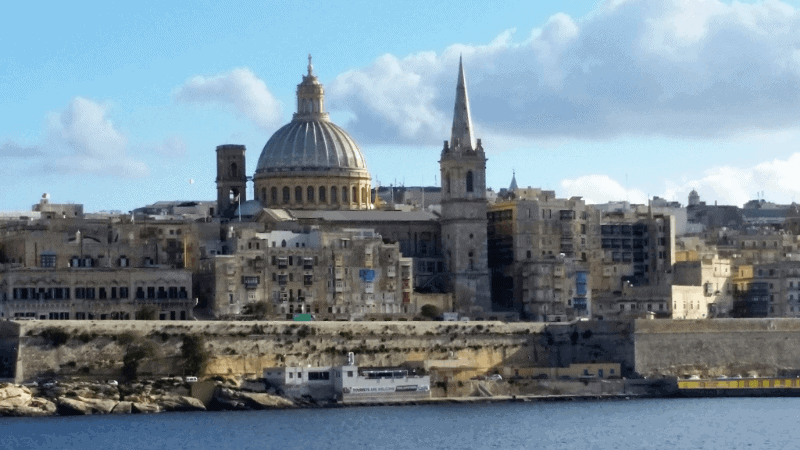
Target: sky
<point x="116" y="106"/>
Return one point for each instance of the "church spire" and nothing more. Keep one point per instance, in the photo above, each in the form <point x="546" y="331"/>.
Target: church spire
<point x="513" y="186"/>
<point x="310" y="67"/>
<point x="461" y="134"/>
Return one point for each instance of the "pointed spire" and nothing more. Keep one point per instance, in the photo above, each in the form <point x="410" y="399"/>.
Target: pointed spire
<point x="461" y="134"/>
<point x="310" y="67"/>
<point x="513" y="186"/>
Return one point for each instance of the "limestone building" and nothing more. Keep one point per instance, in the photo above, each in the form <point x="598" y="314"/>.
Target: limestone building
<point x="464" y="207"/>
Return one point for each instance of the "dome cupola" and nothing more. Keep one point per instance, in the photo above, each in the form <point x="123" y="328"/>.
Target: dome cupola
<point x="311" y="163"/>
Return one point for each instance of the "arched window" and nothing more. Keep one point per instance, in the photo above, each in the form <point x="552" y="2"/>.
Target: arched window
<point x="322" y="194"/>
<point x="264" y="195"/>
<point x="234" y="170"/>
<point x="310" y="194"/>
<point x="355" y="194"/>
<point x="344" y="195"/>
<point x="364" y="194"/>
<point x="469" y="181"/>
<point x="283" y="243"/>
<point x="286" y="195"/>
<point x="447" y="183"/>
<point x="274" y="192"/>
<point x="471" y="261"/>
<point x="298" y="194"/>
<point x="333" y="194"/>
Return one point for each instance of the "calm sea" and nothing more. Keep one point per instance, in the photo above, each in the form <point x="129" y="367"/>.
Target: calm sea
<point x="751" y="423"/>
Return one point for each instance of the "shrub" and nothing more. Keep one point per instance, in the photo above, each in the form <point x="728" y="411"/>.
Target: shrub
<point x="137" y="352"/>
<point x="194" y="354"/>
<point x="147" y="313"/>
<point x="57" y="336"/>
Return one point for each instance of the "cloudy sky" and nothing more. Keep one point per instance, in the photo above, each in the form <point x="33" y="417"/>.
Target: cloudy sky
<point x="123" y="105"/>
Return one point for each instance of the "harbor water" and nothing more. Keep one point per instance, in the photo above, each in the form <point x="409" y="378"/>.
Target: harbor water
<point x="700" y="423"/>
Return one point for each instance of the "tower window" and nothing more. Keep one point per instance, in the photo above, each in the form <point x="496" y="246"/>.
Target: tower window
<point x="447" y="183"/>
<point x="298" y="194"/>
<point x="274" y="192"/>
<point x="334" y="190"/>
<point x="344" y="194"/>
<point x="234" y="170"/>
<point x="355" y="194"/>
<point x="364" y="195"/>
<point x="264" y="195"/>
<point x="286" y="198"/>
<point x="469" y="182"/>
<point x="322" y="194"/>
<point x="310" y="194"/>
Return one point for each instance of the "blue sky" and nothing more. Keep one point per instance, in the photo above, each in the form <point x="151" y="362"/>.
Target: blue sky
<point x="117" y="106"/>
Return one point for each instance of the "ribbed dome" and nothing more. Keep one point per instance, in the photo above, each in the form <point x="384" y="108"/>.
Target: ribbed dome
<point x="310" y="145"/>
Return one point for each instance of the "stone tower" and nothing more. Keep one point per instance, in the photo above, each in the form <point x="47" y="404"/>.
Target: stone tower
<point x="231" y="179"/>
<point x="463" y="167"/>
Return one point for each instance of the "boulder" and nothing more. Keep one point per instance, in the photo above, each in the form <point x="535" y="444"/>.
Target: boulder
<point x="264" y="401"/>
<point x="98" y="405"/>
<point x="13" y="396"/>
<point x="144" y="408"/>
<point x="180" y="403"/>
<point x="123" y="408"/>
<point x="72" y="407"/>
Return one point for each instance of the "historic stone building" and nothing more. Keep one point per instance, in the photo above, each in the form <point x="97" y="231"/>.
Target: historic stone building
<point x="463" y="172"/>
<point x="311" y="175"/>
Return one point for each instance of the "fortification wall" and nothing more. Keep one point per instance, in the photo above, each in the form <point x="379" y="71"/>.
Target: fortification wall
<point x="98" y="349"/>
<point x="719" y="347"/>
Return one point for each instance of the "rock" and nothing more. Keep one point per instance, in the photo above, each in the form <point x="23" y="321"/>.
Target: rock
<point x="180" y="403"/>
<point x="43" y="404"/>
<point x="136" y="398"/>
<point x="226" y="404"/>
<point x="14" y="396"/>
<point x="144" y="408"/>
<point x="98" y="405"/>
<point x="71" y="407"/>
<point x="123" y="408"/>
<point x="265" y="401"/>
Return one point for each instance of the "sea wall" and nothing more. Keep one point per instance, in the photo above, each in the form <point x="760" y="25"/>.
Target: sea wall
<point x="103" y="349"/>
<point x="719" y="347"/>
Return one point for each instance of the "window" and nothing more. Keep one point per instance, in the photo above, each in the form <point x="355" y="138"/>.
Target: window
<point x="123" y="292"/>
<point x="469" y="181"/>
<point x="298" y="194"/>
<point x="151" y="292"/>
<point x="286" y="193"/>
<point x="447" y="183"/>
<point x="334" y="192"/>
<point x="322" y="194"/>
<point x="308" y="280"/>
<point x="310" y="194"/>
<point x="274" y="194"/>
<point x="355" y="195"/>
<point x="344" y="195"/>
<point x="48" y="260"/>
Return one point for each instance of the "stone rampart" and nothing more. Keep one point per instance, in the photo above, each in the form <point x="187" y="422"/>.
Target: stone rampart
<point x="719" y="347"/>
<point x="98" y="349"/>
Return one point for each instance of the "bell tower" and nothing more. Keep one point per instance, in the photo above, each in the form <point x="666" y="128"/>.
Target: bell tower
<point x="464" y="207"/>
<point x="231" y="179"/>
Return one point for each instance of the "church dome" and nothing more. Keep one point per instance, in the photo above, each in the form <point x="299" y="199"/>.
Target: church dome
<point x="311" y="163"/>
<point x="310" y="144"/>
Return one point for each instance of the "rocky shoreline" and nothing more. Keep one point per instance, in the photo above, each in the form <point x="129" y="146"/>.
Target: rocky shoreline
<point x="70" y="398"/>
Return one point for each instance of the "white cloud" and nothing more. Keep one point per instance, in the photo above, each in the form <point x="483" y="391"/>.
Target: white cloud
<point x="778" y="179"/>
<point x="81" y="139"/>
<point x="239" y="91"/>
<point x="601" y="189"/>
<point x="677" y="68"/>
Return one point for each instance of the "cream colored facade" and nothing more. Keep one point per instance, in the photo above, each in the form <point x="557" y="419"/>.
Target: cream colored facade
<point x="95" y="293"/>
<point x="689" y="302"/>
<point x="349" y="273"/>
<point x="715" y="277"/>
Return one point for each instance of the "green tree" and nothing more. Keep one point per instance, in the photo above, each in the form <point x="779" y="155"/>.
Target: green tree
<point x="147" y="313"/>
<point x="430" y="311"/>
<point x="259" y="310"/>
<point x="137" y="352"/>
<point x="194" y="354"/>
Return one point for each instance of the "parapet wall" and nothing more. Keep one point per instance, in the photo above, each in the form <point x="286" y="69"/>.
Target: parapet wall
<point x="719" y="347"/>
